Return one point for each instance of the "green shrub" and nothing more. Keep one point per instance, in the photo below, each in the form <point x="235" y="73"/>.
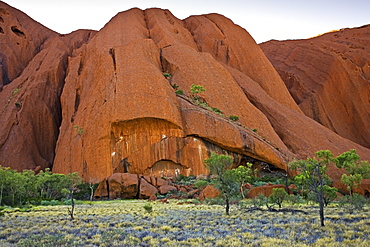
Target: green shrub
<point x="195" y="89"/>
<point x="356" y="202"/>
<point x="233" y="118"/>
<point x="50" y="203"/>
<point x="148" y="207"/>
<point x="295" y="199"/>
<point x="259" y="201"/>
<point x="180" y="92"/>
<point x="167" y="75"/>
<point x="184" y="180"/>
<point x="200" y="184"/>
<point x="214" y="201"/>
<point x="277" y="196"/>
<point x="216" y="110"/>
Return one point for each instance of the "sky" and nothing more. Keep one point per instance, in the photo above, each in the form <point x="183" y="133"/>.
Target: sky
<point x="263" y="19"/>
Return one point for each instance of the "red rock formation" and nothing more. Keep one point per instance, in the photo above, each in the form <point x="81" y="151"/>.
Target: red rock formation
<point x="209" y="192"/>
<point x="328" y="76"/>
<point x="103" y="97"/>
<point x="21" y="38"/>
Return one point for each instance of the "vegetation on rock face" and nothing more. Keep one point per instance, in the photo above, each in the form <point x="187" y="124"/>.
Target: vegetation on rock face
<point x="233" y="118"/>
<point x="196" y="89"/>
<point x="167" y="75"/>
<point x="79" y="129"/>
<point x="180" y="92"/>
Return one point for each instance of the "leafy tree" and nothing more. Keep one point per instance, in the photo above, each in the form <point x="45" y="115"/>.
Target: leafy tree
<point x="242" y="175"/>
<point x="225" y="181"/>
<point x="313" y="175"/>
<point x="16" y="186"/>
<point x="277" y="196"/>
<point x="3" y="181"/>
<point x="356" y="169"/>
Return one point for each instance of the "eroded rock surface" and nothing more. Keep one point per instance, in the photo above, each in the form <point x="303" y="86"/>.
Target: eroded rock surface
<point x="329" y="78"/>
<point x="98" y="103"/>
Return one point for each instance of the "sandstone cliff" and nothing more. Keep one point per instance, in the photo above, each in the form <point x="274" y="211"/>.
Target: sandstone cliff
<point x="98" y="103"/>
<point x="329" y="78"/>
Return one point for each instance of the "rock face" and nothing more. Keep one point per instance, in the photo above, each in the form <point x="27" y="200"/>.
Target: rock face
<point x="33" y="64"/>
<point x="97" y="103"/>
<point x="329" y="78"/>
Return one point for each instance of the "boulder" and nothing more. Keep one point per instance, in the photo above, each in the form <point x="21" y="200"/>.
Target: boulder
<point x="164" y="189"/>
<point x="102" y="190"/>
<point x="147" y="190"/>
<point x="123" y="186"/>
<point x="209" y="192"/>
<point x="161" y="182"/>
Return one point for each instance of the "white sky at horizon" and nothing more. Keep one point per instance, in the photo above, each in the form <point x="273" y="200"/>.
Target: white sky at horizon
<point x="263" y="19"/>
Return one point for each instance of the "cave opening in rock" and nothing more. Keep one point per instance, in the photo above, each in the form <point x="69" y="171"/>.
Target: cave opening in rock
<point x="18" y="32"/>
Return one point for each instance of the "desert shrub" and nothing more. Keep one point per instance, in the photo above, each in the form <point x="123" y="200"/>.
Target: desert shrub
<point x="217" y="111"/>
<point x="277" y="196"/>
<point x="50" y="203"/>
<point x="167" y="75"/>
<point x="233" y="118"/>
<point x="356" y="202"/>
<point x="201" y="184"/>
<point x="259" y="201"/>
<point x="148" y="207"/>
<point x="295" y="199"/>
<point x="180" y="92"/>
<point x="214" y="201"/>
<point x="196" y="89"/>
<point x="185" y="180"/>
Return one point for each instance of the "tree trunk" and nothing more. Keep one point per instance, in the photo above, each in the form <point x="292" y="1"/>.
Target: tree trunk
<point x="92" y="192"/>
<point x="242" y="191"/>
<point x="71" y="212"/>
<point x="321" y="213"/>
<point x="227" y="206"/>
<point x="320" y="196"/>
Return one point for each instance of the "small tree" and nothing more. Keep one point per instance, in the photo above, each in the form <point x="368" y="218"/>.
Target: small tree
<point x="277" y="196"/>
<point x="356" y="169"/>
<point x="219" y="165"/>
<point x="73" y="181"/>
<point x="243" y="174"/>
<point x="195" y="90"/>
<point x="313" y="175"/>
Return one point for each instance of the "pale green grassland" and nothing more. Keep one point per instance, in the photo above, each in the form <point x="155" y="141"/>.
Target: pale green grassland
<point x="126" y="223"/>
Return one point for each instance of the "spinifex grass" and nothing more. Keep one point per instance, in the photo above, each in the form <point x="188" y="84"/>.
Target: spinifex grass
<point x="127" y="223"/>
